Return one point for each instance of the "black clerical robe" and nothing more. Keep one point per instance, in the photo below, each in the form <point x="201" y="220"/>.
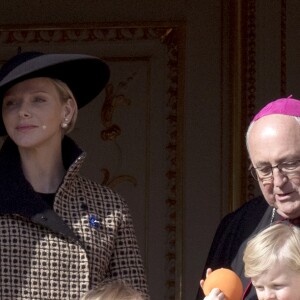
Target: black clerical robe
<point x="231" y="237"/>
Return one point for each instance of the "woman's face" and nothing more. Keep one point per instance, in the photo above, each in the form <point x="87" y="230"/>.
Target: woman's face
<point x="33" y="113"/>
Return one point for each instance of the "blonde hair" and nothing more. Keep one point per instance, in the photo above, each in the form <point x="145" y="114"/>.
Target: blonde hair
<point x="65" y="94"/>
<point x="277" y="243"/>
<point x="116" y="290"/>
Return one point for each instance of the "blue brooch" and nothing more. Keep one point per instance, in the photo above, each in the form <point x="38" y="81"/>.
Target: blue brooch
<point x="94" y="222"/>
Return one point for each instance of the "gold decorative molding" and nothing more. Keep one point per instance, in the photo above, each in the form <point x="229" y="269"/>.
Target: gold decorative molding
<point x="113" y="98"/>
<point x="249" y="183"/>
<point x="283" y="49"/>
<point x="113" y="182"/>
<point x="242" y="93"/>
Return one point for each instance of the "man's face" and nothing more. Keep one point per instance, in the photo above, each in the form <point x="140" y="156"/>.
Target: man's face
<point x="275" y="139"/>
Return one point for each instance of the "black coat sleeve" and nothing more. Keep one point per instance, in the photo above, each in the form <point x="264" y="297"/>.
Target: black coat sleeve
<point x="233" y="229"/>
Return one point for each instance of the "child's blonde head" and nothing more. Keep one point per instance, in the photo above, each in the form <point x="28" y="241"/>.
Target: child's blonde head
<point x="277" y="243"/>
<point x="116" y="290"/>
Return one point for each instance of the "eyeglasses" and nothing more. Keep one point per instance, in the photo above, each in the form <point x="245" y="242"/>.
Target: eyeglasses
<point x="265" y="173"/>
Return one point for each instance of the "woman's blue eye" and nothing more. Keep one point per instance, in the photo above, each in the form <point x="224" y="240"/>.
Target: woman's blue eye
<point x="39" y="99"/>
<point x="9" y="103"/>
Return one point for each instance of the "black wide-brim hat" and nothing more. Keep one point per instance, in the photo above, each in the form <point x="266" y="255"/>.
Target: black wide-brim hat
<point x="85" y="75"/>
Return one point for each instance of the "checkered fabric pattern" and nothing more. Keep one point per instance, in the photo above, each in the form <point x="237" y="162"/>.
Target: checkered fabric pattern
<point x="38" y="262"/>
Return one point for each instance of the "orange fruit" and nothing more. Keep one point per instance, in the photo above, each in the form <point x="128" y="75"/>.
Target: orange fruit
<point x="227" y="281"/>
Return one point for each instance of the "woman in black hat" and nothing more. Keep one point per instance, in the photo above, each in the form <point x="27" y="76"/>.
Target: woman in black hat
<point x="61" y="234"/>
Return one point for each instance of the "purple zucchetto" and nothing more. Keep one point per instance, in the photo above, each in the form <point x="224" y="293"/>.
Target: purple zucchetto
<point x="284" y="106"/>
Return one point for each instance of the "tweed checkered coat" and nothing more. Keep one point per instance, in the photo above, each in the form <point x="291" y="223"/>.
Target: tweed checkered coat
<point x="60" y="253"/>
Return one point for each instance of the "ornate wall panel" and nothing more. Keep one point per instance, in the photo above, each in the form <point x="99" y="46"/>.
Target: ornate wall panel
<point x="132" y="132"/>
<point x="259" y="71"/>
<point x="239" y="80"/>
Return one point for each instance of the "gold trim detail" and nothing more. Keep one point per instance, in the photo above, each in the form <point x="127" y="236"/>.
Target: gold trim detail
<point x="116" y="180"/>
<point x="243" y="93"/>
<point x="250" y="84"/>
<point x="113" y="98"/>
<point x="283" y="78"/>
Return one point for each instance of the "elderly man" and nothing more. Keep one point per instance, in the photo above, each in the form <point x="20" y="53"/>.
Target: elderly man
<point x="273" y="143"/>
